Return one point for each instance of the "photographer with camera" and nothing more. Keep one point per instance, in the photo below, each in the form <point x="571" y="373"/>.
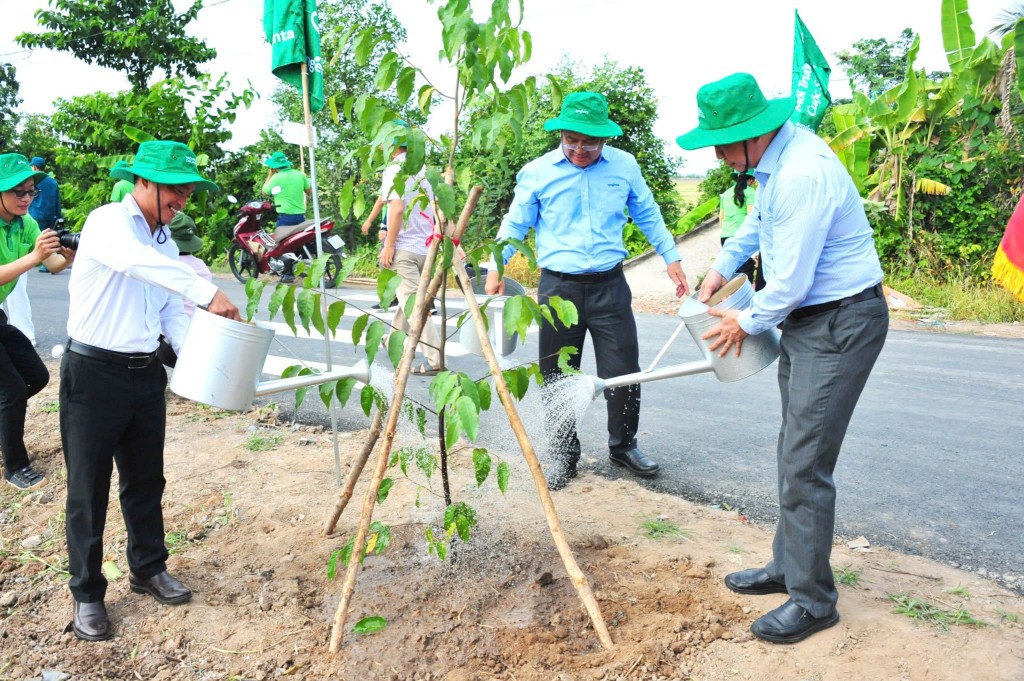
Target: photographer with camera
<point x="22" y="373"/>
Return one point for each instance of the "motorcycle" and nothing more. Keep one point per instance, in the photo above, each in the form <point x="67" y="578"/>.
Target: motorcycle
<point x="258" y="246"/>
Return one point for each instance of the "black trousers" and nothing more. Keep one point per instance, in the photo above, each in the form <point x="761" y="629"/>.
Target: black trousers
<point x="750" y="268"/>
<point x="110" y="415"/>
<point x="606" y="312"/>
<point x="22" y="375"/>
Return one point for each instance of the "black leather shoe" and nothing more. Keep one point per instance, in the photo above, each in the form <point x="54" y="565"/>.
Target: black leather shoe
<point x="162" y="587"/>
<point x="790" y="623"/>
<point x="636" y="461"/>
<point x="754" y="581"/>
<point x="559" y="474"/>
<point x="90" y="622"/>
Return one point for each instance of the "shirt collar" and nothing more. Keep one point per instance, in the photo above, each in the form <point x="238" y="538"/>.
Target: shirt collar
<point x="557" y="155"/>
<point x="770" y="158"/>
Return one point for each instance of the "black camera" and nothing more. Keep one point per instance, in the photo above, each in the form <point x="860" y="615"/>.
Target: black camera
<point x="68" y="239"/>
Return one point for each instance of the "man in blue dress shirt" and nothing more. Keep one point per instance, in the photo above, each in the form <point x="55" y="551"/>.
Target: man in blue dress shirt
<point x="824" y="287"/>
<point x="576" y="199"/>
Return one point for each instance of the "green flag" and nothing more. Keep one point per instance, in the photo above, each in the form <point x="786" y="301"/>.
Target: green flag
<point x="292" y="28"/>
<point x="810" y="78"/>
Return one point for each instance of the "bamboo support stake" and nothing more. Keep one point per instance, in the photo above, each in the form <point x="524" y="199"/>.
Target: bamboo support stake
<point x="424" y="294"/>
<point x="353" y="475"/>
<point x="579" y="580"/>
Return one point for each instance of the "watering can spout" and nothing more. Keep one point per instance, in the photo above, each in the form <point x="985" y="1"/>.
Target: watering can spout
<point x="599" y="385"/>
<point x="360" y="371"/>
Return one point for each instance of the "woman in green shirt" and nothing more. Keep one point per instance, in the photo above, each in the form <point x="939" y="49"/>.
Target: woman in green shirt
<point x="733" y="206"/>
<point x="22" y="373"/>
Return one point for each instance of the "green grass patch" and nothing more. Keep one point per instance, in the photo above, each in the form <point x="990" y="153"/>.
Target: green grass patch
<point x="1007" y="616"/>
<point x="259" y="442"/>
<point x="847" y="575"/>
<point x="961" y="299"/>
<point x="929" y="613"/>
<point x="688" y="189"/>
<point x="659" y="528"/>
<point x="51" y="407"/>
<point x="960" y="591"/>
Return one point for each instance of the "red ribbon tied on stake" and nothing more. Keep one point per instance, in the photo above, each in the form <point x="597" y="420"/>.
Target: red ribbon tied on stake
<point x="437" y="236"/>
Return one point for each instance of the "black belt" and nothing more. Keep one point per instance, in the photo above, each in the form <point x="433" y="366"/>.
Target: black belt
<point x="588" y="277"/>
<point x="811" y="310"/>
<point x="130" y="360"/>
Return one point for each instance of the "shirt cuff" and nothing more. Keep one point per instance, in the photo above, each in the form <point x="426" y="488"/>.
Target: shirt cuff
<point x="200" y="291"/>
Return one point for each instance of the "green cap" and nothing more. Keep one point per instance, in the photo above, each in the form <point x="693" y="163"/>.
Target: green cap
<point x="585" y="113"/>
<point x="277" y="160"/>
<point x="164" y="163"/>
<point x="119" y="165"/>
<point x="14" y="169"/>
<point x="183" y="231"/>
<point x="732" y="110"/>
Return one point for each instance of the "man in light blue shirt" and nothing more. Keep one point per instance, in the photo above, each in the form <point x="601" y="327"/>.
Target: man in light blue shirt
<point x="576" y="198"/>
<point x="824" y="287"/>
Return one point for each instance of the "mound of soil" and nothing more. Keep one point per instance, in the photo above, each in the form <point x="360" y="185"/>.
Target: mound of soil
<point x="247" y="498"/>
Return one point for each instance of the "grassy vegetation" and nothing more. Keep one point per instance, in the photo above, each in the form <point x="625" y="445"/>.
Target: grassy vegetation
<point x="259" y="442"/>
<point x="928" y="613"/>
<point x="658" y="528"/>
<point x="847" y="575"/>
<point x="961" y="299"/>
<point x="689" y="189"/>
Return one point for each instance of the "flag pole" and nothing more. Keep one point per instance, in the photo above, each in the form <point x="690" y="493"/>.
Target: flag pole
<point x="319" y="253"/>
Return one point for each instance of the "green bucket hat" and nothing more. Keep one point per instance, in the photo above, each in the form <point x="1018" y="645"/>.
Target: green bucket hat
<point x="164" y="163"/>
<point x="585" y="113"/>
<point x="119" y="165"/>
<point x="732" y="110"/>
<point x="183" y="231"/>
<point x="277" y="160"/>
<point x="14" y="169"/>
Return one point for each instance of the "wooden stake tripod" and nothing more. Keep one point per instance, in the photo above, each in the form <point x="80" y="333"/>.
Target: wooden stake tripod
<point x="425" y="293"/>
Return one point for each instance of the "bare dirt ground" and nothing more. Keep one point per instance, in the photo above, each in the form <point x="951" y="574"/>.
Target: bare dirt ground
<point x="245" y="530"/>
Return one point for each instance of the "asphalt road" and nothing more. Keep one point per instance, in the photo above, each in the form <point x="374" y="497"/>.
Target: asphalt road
<point x="932" y="463"/>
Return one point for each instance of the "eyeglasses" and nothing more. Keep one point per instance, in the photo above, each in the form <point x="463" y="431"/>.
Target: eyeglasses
<point x="22" y="193"/>
<point x="584" y="147"/>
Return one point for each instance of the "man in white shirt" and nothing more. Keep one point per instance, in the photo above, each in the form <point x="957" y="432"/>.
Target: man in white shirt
<point x="126" y="289"/>
<point x="405" y="250"/>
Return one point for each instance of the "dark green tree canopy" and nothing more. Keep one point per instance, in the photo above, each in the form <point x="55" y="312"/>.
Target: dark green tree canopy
<point x="9" y="102"/>
<point x="874" y="65"/>
<point x="136" y="37"/>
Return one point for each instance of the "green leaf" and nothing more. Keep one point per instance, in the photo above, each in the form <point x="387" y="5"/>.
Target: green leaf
<point x="366" y="399"/>
<point x="452" y="428"/>
<point x="396" y="346"/>
<point x="253" y="293"/>
<point x="462" y="517"/>
<point x="517" y="382"/>
<point x="288" y="309"/>
<point x="327" y="392"/>
<point x="318" y="316"/>
<point x="364" y="46"/>
<point x="415" y="152"/>
<point x="446" y="199"/>
<point x="425" y="97"/>
<point x="406" y="82"/>
<point x="426" y="462"/>
<point x="276" y="299"/>
<point x="382" y="492"/>
<point x="345" y="198"/>
<point x="332" y="563"/>
<point x="469" y="389"/>
<point x="565" y="309"/>
<point x="383" y="534"/>
<point x="386" y="71"/>
<point x="484" y="395"/>
<point x="388" y="282"/>
<point x="468" y="415"/>
<point x="343" y="390"/>
<point x="357" y="328"/>
<point x="374" y="333"/>
<point x="369" y="625"/>
<point x="334" y="314"/>
<point x="111" y="571"/>
<point x="565" y="354"/>
<point x="481" y="465"/>
<point x="503" y="474"/>
<point x="305" y="305"/>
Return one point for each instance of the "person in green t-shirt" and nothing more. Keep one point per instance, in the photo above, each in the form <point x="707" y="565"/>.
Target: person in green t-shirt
<point x="22" y="373"/>
<point x="290" y="200"/>
<point x="733" y="207"/>
<point x="123" y="187"/>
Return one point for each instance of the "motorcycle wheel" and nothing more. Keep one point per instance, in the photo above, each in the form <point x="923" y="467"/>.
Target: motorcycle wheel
<point x="241" y="263"/>
<point x="331" y="271"/>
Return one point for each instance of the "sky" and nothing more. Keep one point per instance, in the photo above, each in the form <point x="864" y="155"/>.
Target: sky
<point x="680" y="44"/>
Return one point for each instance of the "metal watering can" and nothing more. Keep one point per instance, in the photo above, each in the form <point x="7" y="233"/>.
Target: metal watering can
<point x="221" y="362"/>
<point x="503" y="343"/>
<point x="758" y="351"/>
